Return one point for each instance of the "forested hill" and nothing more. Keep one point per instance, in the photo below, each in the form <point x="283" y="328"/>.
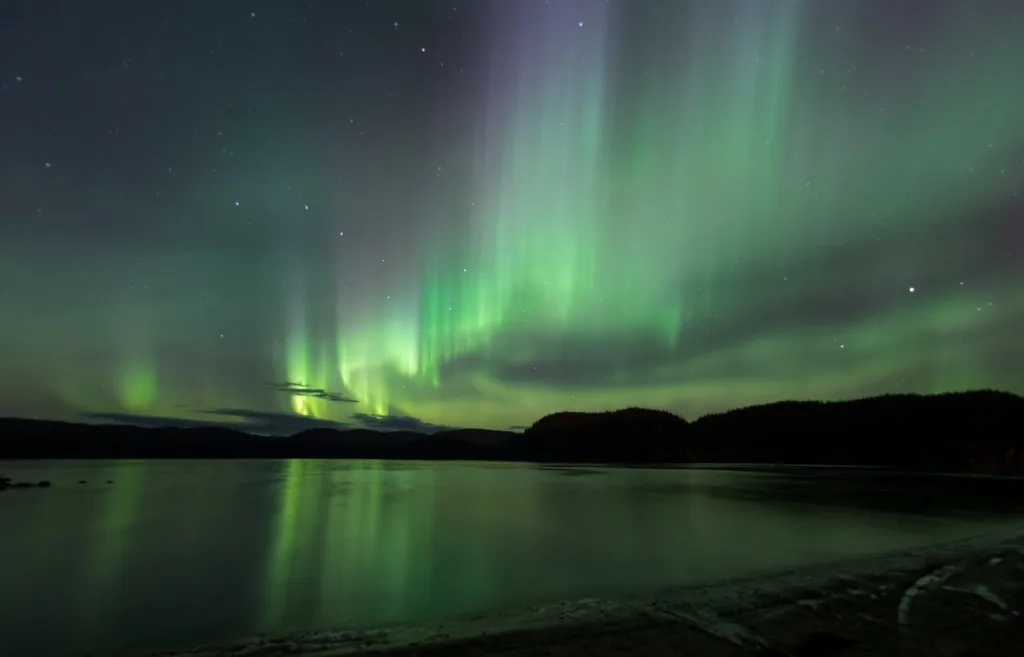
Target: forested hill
<point x="971" y="432"/>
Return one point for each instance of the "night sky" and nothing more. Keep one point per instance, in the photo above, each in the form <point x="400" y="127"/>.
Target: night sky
<point x="421" y="214"/>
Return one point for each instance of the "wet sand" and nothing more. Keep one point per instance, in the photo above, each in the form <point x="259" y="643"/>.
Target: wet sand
<point x="956" y="600"/>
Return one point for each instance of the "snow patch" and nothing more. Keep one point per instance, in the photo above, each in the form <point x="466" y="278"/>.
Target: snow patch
<point x="982" y="592"/>
<point x="716" y="626"/>
<point x="934" y="578"/>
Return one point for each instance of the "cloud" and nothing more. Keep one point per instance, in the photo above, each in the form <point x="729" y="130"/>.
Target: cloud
<point x="150" y="421"/>
<point x="265" y="423"/>
<point x="398" y="423"/>
<point x="303" y="390"/>
<point x="805" y="302"/>
<point x="274" y="422"/>
<point x="270" y="423"/>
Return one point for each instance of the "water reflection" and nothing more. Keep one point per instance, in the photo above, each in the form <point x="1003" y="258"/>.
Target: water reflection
<point x="175" y="553"/>
<point x="346" y="535"/>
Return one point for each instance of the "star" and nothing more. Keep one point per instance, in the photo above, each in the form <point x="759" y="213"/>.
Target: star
<point x="912" y="290"/>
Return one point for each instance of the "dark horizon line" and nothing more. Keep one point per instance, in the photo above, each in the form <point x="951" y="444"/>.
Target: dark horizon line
<point x="102" y="419"/>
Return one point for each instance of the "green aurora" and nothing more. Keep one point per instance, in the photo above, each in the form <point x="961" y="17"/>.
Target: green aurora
<point x="684" y="205"/>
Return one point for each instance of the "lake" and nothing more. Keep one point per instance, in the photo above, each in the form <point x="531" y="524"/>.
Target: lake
<point x="174" y="553"/>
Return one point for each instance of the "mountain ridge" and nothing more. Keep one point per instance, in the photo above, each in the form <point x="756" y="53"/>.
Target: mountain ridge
<point x="973" y="431"/>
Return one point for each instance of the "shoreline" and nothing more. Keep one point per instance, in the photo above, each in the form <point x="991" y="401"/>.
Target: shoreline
<point x="961" y="598"/>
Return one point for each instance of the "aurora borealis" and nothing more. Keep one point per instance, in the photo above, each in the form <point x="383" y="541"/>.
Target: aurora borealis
<point x="414" y="214"/>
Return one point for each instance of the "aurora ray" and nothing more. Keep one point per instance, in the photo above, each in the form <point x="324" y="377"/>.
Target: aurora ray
<point x="538" y="206"/>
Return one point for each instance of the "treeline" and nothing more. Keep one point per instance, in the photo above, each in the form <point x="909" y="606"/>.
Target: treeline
<point x="36" y="439"/>
<point x="971" y="432"/>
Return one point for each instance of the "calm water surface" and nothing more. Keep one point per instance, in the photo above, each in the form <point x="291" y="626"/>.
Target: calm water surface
<point x="175" y="553"/>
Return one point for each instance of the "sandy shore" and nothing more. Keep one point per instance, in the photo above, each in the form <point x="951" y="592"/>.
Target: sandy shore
<point x="955" y="600"/>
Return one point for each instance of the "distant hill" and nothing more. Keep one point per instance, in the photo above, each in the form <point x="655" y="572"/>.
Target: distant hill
<point x="979" y="432"/>
<point x="627" y="435"/>
<point x="33" y="439"/>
